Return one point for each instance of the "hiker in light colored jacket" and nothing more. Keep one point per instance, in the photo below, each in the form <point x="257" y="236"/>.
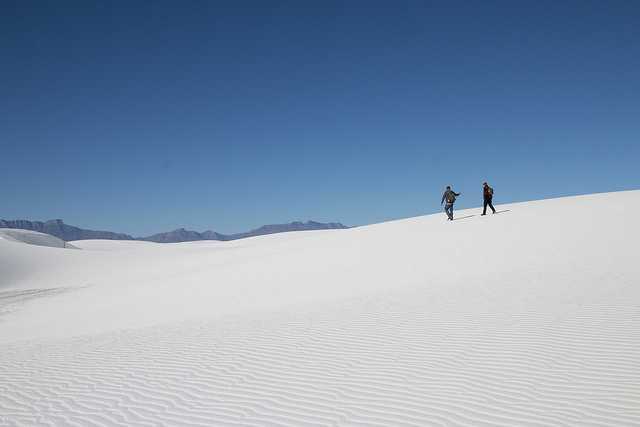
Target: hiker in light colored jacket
<point x="450" y="197"/>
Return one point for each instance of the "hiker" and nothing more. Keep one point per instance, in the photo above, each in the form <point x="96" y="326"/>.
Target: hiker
<point x="487" y="195"/>
<point x="450" y="197"/>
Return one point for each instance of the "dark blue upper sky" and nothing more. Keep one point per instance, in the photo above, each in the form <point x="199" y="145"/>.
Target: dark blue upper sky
<point x="145" y="116"/>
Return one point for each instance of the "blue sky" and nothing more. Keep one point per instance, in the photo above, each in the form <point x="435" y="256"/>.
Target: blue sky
<point x="146" y="116"/>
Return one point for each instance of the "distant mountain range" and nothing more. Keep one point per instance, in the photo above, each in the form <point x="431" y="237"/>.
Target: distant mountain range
<point x="69" y="233"/>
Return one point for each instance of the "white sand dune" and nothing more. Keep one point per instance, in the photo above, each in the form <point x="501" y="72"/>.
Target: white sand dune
<point x="527" y="317"/>
<point x="33" y="238"/>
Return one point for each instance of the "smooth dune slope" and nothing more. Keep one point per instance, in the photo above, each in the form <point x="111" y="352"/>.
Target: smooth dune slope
<point x="527" y="317"/>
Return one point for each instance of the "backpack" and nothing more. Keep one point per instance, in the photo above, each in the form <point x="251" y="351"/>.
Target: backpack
<point x="490" y="191"/>
<point x="451" y="197"/>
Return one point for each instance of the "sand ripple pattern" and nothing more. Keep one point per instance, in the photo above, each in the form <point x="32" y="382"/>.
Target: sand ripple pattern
<point x="11" y="300"/>
<point x="367" y="362"/>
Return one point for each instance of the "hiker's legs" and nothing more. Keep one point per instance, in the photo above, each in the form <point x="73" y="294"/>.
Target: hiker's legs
<point x="449" y="210"/>
<point x="487" y="202"/>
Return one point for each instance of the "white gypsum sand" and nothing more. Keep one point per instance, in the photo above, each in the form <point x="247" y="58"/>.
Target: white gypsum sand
<point x="527" y="317"/>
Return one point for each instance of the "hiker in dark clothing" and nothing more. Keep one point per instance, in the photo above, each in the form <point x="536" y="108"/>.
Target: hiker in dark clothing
<point x="450" y="196"/>
<point x="487" y="195"/>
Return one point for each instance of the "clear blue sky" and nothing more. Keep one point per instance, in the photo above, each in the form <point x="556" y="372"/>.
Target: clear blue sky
<point x="145" y="116"/>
